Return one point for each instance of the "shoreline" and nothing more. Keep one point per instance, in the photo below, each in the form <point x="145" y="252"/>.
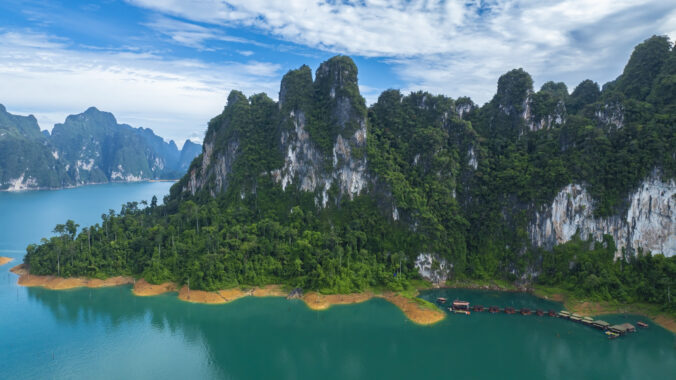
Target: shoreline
<point x="61" y="283"/>
<point x="416" y="311"/>
<point x="82" y="185"/>
<point x="4" y="260"/>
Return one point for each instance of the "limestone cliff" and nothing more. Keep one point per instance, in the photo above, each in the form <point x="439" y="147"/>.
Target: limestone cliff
<point x="309" y="114"/>
<point x="649" y="222"/>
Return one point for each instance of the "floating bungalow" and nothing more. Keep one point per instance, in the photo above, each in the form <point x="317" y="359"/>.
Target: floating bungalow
<point x="564" y="314"/>
<point x="539" y="312"/>
<point x="599" y="324"/>
<point x="622" y="328"/>
<point x="525" y="311"/>
<point x="575" y="317"/>
<point x="460" y="305"/>
<point x="587" y="320"/>
<point x="478" y="308"/>
<point x="510" y="310"/>
<point x="493" y="309"/>
<point x="551" y="313"/>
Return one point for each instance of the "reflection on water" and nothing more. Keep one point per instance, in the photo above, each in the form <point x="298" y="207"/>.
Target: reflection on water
<point x="276" y="338"/>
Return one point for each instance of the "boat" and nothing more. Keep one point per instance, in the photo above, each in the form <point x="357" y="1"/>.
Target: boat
<point x="510" y="310"/>
<point x="478" y="308"/>
<point x="458" y="311"/>
<point x="642" y="324"/>
<point x="539" y="312"/>
<point x="493" y="309"/>
<point x="525" y="311"/>
<point x="441" y="300"/>
<point x="612" y="335"/>
<point x="551" y="313"/>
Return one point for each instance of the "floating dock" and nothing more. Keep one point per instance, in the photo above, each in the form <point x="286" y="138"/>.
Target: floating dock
<point x="463" y="307"/>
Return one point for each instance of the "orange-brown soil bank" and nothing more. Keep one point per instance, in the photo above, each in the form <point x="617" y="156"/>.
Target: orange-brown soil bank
<point x="413" y="310"/>
<point x="5" y="260"/>
<point x="143" y="288"/>
<point x="60" y="283"/>
<point x="416" y="312"/>
<point x="229" y="295"/>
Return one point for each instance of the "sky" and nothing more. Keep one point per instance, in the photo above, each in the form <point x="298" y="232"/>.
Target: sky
<point x="170" y="64"/>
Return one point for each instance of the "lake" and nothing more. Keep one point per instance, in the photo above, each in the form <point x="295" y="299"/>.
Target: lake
<point x="111" y="334"/>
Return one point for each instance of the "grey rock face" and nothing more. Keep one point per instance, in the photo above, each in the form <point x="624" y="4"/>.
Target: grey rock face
<point x="433" y="268"/>
<point x="649" y="223"/>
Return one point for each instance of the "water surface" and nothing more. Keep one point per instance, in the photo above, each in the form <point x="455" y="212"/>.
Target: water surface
<point x="111" y="334"/>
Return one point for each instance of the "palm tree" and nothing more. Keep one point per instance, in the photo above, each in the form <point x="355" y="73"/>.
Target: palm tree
<point x="60" y="229"/>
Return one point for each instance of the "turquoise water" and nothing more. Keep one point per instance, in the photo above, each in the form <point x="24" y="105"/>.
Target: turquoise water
<point x="110" y="334"/>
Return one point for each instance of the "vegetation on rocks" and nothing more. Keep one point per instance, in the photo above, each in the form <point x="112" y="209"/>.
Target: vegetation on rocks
<point x="461" y="186"/>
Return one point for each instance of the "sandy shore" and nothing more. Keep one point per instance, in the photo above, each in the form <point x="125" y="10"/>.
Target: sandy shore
<point x="413" y="310"/>
<point x="315" y="301"/>
<point x="60" y="283"/>
<point x="5" y="260"/>
<point x="144" y="289"/>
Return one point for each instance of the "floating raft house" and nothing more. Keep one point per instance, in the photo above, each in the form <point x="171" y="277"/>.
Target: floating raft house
<point x="599" y="324"/>
<point x="623" y="328"/>
<point x="587" y="320"/>
<point x="564" y="314"/>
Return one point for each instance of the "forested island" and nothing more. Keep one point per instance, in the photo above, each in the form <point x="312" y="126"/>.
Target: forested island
<point x="320" y="192"/>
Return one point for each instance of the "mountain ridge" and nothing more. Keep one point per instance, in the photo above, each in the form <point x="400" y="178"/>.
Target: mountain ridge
<point x="87" y="148"/>
<point x="321" y="192"/>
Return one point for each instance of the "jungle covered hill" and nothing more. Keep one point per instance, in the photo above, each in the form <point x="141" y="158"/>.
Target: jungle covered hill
<point x="319" y="191"/>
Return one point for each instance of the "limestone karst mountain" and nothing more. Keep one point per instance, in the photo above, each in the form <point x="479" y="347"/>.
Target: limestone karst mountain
<point x="90" y="147"/>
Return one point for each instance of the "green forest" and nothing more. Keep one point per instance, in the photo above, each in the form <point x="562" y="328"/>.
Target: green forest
<point x="471" y="209"/>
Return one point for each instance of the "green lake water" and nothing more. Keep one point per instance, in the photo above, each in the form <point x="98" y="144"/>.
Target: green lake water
<point x="111" y="334"/>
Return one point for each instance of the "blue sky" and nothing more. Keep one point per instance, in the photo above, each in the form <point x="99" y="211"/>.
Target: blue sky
<point x="169" y="64"/>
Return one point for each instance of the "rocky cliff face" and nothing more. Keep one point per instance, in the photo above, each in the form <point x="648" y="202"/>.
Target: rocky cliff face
<point x="309" y="112"/>
<point x="649" y="222"/>
<point x="305" y="164"/>
<point x="433" y="268"/>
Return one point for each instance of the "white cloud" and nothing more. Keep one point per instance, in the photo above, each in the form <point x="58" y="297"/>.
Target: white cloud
<point x="175" y="98"/>
<point x="192" y="35"/>
<point x="458" y="47"/>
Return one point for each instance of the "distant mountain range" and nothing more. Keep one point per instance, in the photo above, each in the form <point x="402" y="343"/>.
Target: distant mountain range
<point x="90" y="147"/>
